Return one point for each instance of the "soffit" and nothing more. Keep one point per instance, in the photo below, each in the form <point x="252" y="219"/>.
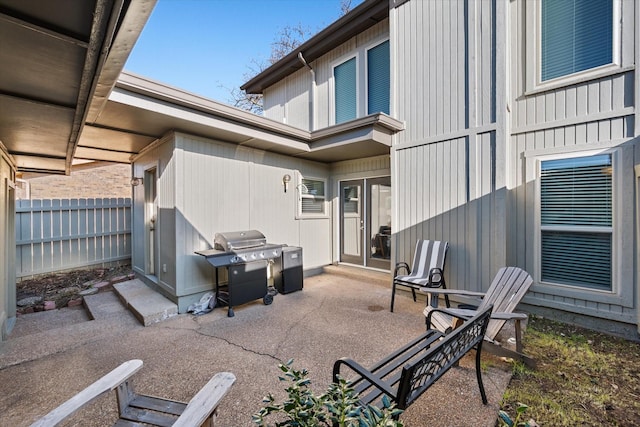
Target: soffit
<point x="140" y="111"/>
<point x="56" y="56"/>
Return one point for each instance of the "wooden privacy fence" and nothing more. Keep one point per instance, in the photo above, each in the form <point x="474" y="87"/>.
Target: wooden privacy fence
<point x="61" y="234"/>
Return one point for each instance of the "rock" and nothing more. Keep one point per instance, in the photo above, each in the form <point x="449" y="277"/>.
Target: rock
<point x="101" y="285"/>
<point x="119" y="279"/>
<point x="25" y="302"/>
<point x="49" y="305"/>
<point x="74" y="302"/>
<point x="69" y="290"/>
<point x="89" y="291"/>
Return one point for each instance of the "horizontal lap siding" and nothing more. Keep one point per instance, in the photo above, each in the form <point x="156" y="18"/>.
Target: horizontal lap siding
<point x="54" y="235"/>
<point x="445" y="161"/>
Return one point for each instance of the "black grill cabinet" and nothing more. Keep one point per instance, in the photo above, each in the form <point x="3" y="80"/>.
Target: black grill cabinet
<point x="287" y="271"/>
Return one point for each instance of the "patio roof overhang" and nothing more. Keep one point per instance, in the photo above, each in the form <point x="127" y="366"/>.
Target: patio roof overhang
<point x="60" y="61"/>
<point x="140" y="111"/>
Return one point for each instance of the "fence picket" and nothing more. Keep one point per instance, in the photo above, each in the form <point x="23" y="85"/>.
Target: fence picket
<point x="61" y="234"/>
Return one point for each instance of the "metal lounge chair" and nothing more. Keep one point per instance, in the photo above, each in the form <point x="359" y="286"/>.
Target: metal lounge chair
<point x="506" y="291"/>
<point x="427" y="270"/>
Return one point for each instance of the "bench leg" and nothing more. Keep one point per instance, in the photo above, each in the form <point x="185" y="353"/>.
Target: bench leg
<point x="393" y="295"/>
<point x="479" y="374"/>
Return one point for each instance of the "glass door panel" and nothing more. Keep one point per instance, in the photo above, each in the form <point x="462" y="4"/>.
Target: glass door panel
<point x="379" y="222"/>
<point x="351" y="221"/>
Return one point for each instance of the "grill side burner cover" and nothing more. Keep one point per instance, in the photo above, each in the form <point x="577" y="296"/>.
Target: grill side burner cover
<point x="234" y="240"/>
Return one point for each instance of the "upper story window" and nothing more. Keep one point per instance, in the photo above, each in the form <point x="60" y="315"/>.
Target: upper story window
<point x="378" y="79"/>
<point x="576" y="221"/>
<point x="346" y="90"/>
<point x="360" y="90"/>
<point x="576" y="35"/>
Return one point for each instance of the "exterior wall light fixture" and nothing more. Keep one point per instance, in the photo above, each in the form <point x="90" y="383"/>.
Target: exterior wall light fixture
<point x="286" y="179"/>
<point x="136" y="181"/>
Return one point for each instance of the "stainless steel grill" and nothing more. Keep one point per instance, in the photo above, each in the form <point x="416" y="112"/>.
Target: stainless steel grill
<point x="245" y="255"/>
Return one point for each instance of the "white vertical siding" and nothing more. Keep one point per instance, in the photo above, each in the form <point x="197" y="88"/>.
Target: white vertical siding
<point x="206" y="187"/>
<point x="288" y="100"/>
<point x="7" y="246"/>
<point x="444" y="169"/>
<point x="583" y="114"/>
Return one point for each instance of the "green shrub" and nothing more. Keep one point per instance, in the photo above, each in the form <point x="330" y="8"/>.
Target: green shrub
<point x="338" y="406"/>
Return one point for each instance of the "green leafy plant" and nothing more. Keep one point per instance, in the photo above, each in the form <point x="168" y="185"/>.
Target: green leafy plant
<point x="505" y="419"/>
<point x="338" y="406"/>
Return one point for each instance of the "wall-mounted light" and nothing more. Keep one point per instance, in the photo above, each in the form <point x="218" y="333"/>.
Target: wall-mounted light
<point x="136" y="181"/>
<point x="286" y="179"/>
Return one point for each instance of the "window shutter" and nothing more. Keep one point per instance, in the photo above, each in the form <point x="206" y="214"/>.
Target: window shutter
<point x="345" y="91"/>
<point x="576" y="221"/>
<point x="576" y="35"/>
<point x="378" y="79"/>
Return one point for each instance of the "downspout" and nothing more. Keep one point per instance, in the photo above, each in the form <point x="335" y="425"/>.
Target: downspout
<point x="312" y="93"/>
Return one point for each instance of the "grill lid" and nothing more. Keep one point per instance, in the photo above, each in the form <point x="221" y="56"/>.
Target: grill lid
<point x="234" y="240"/>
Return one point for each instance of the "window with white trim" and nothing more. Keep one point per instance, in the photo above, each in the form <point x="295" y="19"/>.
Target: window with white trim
<point x="312" y="197"/>
<point x="576" y="221"/>
<point x="361" y="83"/>
<point x="575" y="35"/>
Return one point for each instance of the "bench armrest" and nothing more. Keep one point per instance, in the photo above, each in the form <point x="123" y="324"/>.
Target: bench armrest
<point x="399" y="266"/>
<point x="205" y="402"/>
<point x="105" y="384"/>
<point x="364" y="373"/>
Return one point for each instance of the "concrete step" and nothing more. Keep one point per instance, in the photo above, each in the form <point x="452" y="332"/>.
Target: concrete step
<point x="147" y="305"/>
<point x="103" y="305"/>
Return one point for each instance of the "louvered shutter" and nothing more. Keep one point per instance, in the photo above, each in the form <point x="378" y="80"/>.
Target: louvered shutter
<point x="378" y="79"/>
<point x="345" y="91"/>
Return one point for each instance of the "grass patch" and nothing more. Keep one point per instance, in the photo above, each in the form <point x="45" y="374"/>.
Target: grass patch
<point x="582" y="377"/>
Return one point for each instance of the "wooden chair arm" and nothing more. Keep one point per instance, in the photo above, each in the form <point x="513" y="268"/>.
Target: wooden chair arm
<point x="205" y="402"/>
<point x="509" y="316"/>
<point x="105" y="384"/>
<point x="462" y="292"/>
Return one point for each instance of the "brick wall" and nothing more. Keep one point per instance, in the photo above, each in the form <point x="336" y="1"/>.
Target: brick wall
<point x="109" y="180"/>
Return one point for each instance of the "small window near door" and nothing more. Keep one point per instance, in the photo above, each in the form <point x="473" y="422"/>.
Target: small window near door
<point x="312" y="197"/>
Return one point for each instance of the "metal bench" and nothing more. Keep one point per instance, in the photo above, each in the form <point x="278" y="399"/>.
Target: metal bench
<point x="408" y="372"/>
<point x="137" y="409"/>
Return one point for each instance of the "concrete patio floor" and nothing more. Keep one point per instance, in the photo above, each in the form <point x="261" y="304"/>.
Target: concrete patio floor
<point x="344" y="312"/>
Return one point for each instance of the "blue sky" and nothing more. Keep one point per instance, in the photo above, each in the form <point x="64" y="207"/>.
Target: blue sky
<point x="207" y="46"/>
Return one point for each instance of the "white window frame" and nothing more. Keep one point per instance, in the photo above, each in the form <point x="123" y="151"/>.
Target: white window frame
<point x="620" y="260"/>
<point x="533" y="62"/>
<point x="362" y="93"/>
<point x="302" y="194"/>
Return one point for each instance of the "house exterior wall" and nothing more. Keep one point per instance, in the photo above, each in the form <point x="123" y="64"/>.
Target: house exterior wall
<point x="447" y="164"/>
<point x="206" y="187"/>
<point x="289" y="100"/>
<point x="7" y="245"/>
<point x="580" y="115"/>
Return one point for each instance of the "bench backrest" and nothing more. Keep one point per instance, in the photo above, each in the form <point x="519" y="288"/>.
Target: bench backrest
<point x="419" y="375"/>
